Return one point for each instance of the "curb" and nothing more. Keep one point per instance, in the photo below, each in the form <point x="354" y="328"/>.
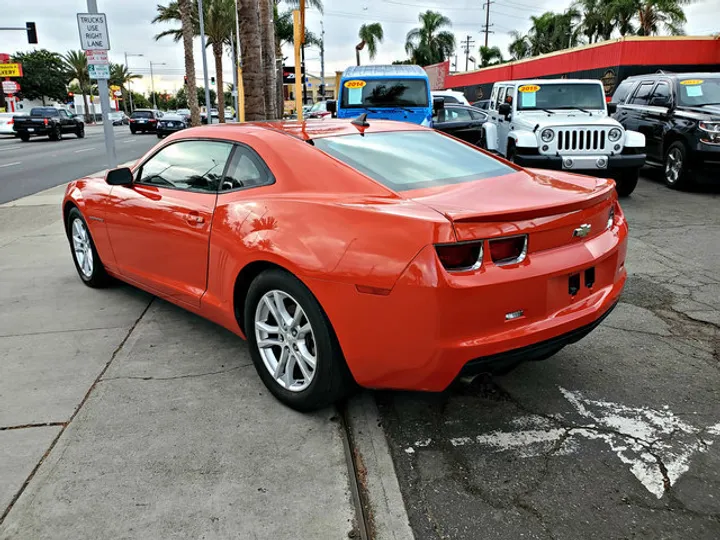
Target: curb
<point x="384" y="506"/>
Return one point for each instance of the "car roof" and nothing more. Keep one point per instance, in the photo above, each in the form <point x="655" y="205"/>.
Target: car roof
<point x="315" y="129"/>
<point x="384" y="71"/>
<point x="546" y="81"/>
<point x="669" y="75"/>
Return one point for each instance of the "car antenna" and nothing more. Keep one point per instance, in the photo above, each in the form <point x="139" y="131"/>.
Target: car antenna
<point x="361" y="121"/>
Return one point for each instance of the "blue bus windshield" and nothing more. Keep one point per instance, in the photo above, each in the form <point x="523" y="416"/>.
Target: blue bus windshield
<point x="386" y="93"/>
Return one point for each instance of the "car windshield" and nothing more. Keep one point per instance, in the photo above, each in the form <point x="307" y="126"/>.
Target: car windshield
<point x="533" y="97"/>
<point x="320" y="106"/>
<point x="43" y="111"/>
<point x="115" y="115"/>
<point x="141" y="114"/>
<point x="405" y="160"/>
<point x="390" y="93"/>
<point x="700" y="92"/>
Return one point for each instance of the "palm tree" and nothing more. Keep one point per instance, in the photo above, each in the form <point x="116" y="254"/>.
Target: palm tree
<point x="370" y="35"/>
<point x="490" y="56"/>
<point x="430" y="44"/>
<point x="76" y="65"/>
<point x="121" y="76"/>
<point x="668" y="14"/>
<point x="622" y="14"/>
<point x="284" y="34"/>
<point x="252" y="55"/>
<point x="519" y="47"/>
<point x="267" y="29"/>
<point x="219" y="23"/>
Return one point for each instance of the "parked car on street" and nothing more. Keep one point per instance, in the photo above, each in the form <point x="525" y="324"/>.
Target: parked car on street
<point x="169" y="124"/>
<point x="7" y="123"/>
<point x="144" y="120"/>
<point x="563" y="124"/>
<point x="48" y="121"/>
<point x="118" y="118"/>
<point x="460" y="121"/>
<point x="384" y="253"/>
<point x="451" y="97"/>
<point x="679" y="114"/>
<point x="318" y="110"/>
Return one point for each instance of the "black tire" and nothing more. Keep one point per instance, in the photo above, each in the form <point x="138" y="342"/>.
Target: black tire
<point x="133" y="131"/>
<point x="482" y="142"/>
<point x="56" y="134"/>
<point x="80" y="132"/>
<point x="24" y="137"/>
<point x="511" y="152"/>
<point x="98" y="277"/>
<point x="676" y="179"/>
<point x="332" y="380"/>
<point x="159" y="135"/>
<point x="626" y="182"/>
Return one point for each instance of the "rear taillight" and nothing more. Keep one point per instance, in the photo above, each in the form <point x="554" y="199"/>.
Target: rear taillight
<point x="508" y="250"/>
<point x="11" y="121"/>
<point x="460" y="257"/>
<point x="46" y="121"/>
<point x="611" y="217"/>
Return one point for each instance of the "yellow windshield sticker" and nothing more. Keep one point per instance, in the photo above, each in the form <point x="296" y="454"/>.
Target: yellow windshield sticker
<point x="354" y="84"/>
<point x="531" y="88"/>
<point x="692" y="82"/>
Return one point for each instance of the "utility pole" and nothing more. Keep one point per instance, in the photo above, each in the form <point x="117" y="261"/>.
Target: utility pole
<point x="204" y="59"/>
<point x="487" y="21"/>
<point x="129" y="89"/>
<point x="322" y="58"/>
<point x="235" y="76"/>
<point x="152" y="80"/>
<point x="467" y="44"/>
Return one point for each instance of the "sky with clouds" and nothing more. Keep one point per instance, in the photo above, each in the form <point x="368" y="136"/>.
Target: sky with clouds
<point x="131" y="30"/>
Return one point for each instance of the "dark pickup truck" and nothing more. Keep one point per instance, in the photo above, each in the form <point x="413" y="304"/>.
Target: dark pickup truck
<point x="50" y="122"/>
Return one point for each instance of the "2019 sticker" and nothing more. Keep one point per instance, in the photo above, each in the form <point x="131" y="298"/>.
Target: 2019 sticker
<point x="529" y="88"/>
<point x="354" y="84"/>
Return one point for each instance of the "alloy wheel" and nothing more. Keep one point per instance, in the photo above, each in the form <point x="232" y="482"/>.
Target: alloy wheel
<point x="673" y="165"/>
<point x="82" y="247"/>
<point x="285" y="340"/>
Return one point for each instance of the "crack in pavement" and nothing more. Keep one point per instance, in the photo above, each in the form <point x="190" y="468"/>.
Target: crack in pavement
<point x="29" y="426"/>
<point x="75" y="413"/>
<point x="176" y="377"/>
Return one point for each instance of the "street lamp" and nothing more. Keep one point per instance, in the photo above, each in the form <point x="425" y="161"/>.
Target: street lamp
<point x="152" y="80"/>
<point x="128" y="70"/>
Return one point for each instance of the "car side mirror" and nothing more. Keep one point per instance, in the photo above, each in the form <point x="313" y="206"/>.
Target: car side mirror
<point x="331" y="107"/>
<point x="438" y="104"/>
<point x="660" y="101"/>
<point x="119" y="177"/>
<point x="612" y="108"/>
<point x="505" y="109"/>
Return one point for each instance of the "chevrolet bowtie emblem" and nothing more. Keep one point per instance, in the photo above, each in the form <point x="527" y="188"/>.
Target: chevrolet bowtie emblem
<point x="583" y="230"/>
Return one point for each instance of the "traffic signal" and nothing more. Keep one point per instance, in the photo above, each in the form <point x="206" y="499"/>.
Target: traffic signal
<point x="31" y="32"/>
<point x="321" y="89"/>
<point x="185" y="80"/>
<point x="212" y="80"/>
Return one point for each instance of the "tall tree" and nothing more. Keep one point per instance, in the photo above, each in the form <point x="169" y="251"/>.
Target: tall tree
<point x="252" y="59"/>
<point x="219" y="21"/>
<point x="430" y="43"/>
<point x="267" y="29"/>
<point x="623" y="13"/>
<point x="370" y="35"/>
<point x="76" y="65"/>
<point x="490" y="56"/>
<point x="188" y="31"/>
<point x="44" y="75"/>
<point x="121" y="76"/>
<point x="520" y="46"/>
<point x="668" y="15"/>
<point x="597" y="22"/>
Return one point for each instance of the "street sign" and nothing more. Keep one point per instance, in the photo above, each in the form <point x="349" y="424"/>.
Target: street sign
<point x="117" y="93"/>
<point x="97" y="57"/>
<point x="99" y="71"/>
<point x="93" y="31"/>
<point x="10" y="87"/>
<point x="11" y="70"/>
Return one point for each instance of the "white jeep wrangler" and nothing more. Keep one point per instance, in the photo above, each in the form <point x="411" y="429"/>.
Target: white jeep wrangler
<point x="562" y="124"/>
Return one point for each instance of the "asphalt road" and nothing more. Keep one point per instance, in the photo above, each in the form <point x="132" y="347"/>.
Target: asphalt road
<point x="26" y="168"/>
<point x="616" y="437"/>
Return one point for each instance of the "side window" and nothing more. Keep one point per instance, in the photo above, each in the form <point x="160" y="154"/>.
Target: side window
<point x="493" y="98"/>
<point x="510" y="95"/>
<point x="187" y="165"/>
<point x="450" y="99"/>
<point x="501" y="96"/>
<point x="642" y="94"/>
<point x="63" y="114"/>
<point x="662" y="91"/>
<point x="457" y="115"/>
<point x="477" y="115"/>
<point x="246" y="170"/>
<point x="622" y="91"/>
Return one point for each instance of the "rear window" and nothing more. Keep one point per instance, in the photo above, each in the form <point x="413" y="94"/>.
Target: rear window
<point x="142" y="114"/>
<point x="385" y="93"/>
<point x="622" y="91"/>
<point x="43" y="111"/>
<point x="405" y="160"/>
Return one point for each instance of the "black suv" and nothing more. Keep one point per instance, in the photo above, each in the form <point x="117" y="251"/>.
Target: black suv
<point x="679" y="114"/>
<point x="144" y="120"/>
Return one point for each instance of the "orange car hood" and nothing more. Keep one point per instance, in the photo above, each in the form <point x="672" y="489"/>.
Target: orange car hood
<point x="516" y="196"/>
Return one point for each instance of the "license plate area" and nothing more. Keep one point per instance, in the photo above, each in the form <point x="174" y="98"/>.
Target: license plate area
<point x="31" y="129"/>
<point x="584" y="162"/>
<point x="577" y="281"/>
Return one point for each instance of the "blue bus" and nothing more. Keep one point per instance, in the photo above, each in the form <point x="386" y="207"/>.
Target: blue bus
<point x="397" y="92"/>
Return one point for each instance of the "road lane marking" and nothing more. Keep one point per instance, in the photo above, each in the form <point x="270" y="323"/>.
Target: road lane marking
<point x="84" y="150"/>
<point x="11" y="164"/>
<point x="655" y="444"/>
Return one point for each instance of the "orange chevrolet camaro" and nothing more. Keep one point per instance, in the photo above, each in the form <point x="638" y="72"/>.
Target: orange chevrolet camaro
<point x="387" y="255"/>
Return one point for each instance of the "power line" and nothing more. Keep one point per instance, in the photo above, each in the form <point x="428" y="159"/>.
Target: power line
<point x="467" y="45"/>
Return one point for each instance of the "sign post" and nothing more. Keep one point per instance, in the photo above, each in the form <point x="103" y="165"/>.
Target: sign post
<point x="94" y="37"/>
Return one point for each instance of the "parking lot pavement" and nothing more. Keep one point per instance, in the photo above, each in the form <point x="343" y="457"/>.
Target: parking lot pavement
<point x="617" y="436"/>
<point x="122" y="416"/>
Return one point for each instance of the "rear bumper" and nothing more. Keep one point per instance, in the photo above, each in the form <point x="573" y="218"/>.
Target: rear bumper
<point x="432" y="325"/>
<point x="705" y="163"/>
<point x="632" y="161"/>
<point x="35" y="131"/>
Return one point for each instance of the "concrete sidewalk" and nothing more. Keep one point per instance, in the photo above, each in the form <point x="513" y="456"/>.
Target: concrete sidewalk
<point x="122" y="416"/>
